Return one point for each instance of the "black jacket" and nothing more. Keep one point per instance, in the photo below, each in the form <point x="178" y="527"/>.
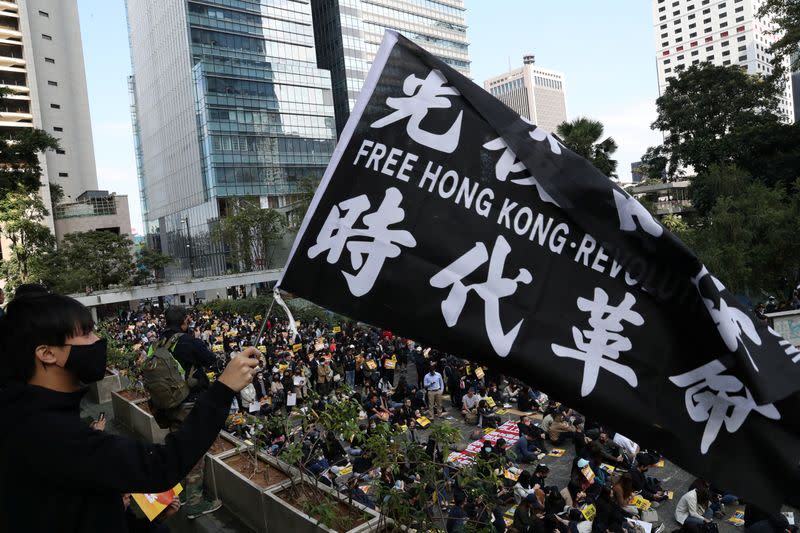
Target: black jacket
<point x="57" y="475"/>
<point x="191" y="352"/>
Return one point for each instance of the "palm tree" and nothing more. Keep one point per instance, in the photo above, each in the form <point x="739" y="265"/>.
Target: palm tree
<point x="582" y="136"/>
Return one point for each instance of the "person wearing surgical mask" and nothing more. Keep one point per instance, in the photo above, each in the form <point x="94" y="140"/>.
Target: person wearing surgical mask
<point x="49" y="353"/>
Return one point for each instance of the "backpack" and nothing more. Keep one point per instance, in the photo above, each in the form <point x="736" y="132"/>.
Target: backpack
<point x="163" y="376"/>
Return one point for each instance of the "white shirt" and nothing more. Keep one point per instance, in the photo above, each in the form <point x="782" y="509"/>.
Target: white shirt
<point x="628" y="446"/>
<point x="688" y="506"/>
<point x="470" y="403"/>
<point x="433" y="382"/>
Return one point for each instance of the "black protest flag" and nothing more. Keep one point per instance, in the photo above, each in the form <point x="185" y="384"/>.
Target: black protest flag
<point x="448" y="218"/>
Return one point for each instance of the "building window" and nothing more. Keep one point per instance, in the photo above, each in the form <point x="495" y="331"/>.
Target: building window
<point x="743" y="48"/>
<point x="739" y="19"/>
<point x="53" y="83"/>
<point x="723" y="24"/>
<point x="60" y="152"/>
<point x="726" y="62"/>
<point x="55" y="106"/>
<point x="709" y="48"/>
<point x="743" y="58"/>
<point x="739" y="9"/>
<point x="49" y="60"/>
<point x="63" y="174"/>
<point x="726" y="53"/>
<point x="742" y="38"/>
<point x="662" y="17"/>
<point x="44" y="14"/>
<point x="46" y="37"/>
<point x="740" y="29"/>
<point x="679" y="58"/>
<point x="694" y="53"/>
<point x="58" y="128"/>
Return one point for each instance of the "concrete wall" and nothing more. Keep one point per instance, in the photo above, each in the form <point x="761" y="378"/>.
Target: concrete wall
<point x="121" y="220"/>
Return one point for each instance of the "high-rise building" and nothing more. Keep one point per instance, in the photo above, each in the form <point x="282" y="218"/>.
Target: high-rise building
<point x="349" y="32"/>
<point x="536" y="93"/>
<point x="722" y="32"/>
<point x="41" y="62"/>
<point x="228" y="102"/>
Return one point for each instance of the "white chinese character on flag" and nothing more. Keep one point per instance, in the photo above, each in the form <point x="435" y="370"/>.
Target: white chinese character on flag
<point x="629" y="209"/>
<point x="421" y="97"/>
<point x="709" y="398"/>
<point x="370" y="246"/>
<point x="491" y="291"/>
<point x="508" y="164"/>
<point x="732" y="323"/>
<point x="600" y="346"/>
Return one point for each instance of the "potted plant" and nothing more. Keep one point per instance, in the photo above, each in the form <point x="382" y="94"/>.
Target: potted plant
<point x="119" y="358"/>
<point x="242" y="475"/>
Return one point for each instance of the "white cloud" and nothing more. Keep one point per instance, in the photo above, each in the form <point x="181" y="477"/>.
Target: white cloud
<point x="630" y="128"/>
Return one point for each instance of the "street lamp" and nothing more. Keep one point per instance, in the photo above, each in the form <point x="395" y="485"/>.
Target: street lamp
<point x="189" y="245"/>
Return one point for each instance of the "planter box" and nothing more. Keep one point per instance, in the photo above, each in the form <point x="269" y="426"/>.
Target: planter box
<point x="100" y="391"/>
<point x="242" y="495"/>
<point x="144" y="425"/>
<point x="286" y="517"/>
<point x="122" y="405"/>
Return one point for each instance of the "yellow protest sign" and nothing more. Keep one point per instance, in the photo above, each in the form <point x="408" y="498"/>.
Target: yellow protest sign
<point x="557" y="452"/>
<point x="262" y="349"/>
<point x="608" y="468"/>
<point x="336" y="329"/>
<point x="479" y="373"/>
<point x="297" y="347"/>
<point x="508" y="474"/>
<point x="218" y="348"/>
<point x="489" y="399"/>
<point x="282" y="367"/>
<point x="345" y="470"/>
<point x="588" y="473"/>
<point x="640" y="503"/>
<point x="468" y="370"/>
<point x="589" y="512"/>
<point x="153" y="505"/>
<point x="371" y="365"/>
<point x="389" y="364"/>
<point x="423" y="421"/>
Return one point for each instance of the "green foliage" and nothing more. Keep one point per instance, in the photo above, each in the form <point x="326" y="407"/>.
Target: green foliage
<point x="22" y="216"/>
<point x="152" y="261"/>
<point x="249" y="234"/>
<point x="96" y="259"/>
<point x="710" y="113"/>
<point x="120" y="356"/>
<point x="749" y="239"/>
<point x="718" y="181"/>
<point x="786" y="14"/>
<point x="582" y="136"/>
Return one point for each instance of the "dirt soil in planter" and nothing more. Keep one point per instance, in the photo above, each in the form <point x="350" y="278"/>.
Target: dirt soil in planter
<point x="144" y="406"/>
<point x="266" y="476"/>
<point x="221" y="445"/>
<point x="132" y="395"/>
<point x="306" y="496"/>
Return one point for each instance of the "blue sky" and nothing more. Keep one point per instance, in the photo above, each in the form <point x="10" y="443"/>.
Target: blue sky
<point x="606" y="50"/>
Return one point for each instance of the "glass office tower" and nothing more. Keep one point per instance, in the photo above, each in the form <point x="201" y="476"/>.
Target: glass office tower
<point x="228" y="104"/>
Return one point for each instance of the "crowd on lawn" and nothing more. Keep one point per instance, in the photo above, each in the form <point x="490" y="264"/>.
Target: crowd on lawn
<point x="401" y="384"/>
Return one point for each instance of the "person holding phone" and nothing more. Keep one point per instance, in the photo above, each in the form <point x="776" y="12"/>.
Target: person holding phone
<point x="56" y="473"/>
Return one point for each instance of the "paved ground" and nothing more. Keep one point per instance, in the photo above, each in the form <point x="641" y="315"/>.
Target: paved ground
<point x="672" y="477"/>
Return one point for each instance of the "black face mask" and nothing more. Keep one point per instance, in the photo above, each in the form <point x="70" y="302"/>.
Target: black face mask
<point x="88" y="361"/>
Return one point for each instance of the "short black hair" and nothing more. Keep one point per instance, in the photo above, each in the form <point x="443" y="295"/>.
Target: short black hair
<point x="30" y="289"/>
<point x="175" y="316"/>
<point x="36" y="320"/>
